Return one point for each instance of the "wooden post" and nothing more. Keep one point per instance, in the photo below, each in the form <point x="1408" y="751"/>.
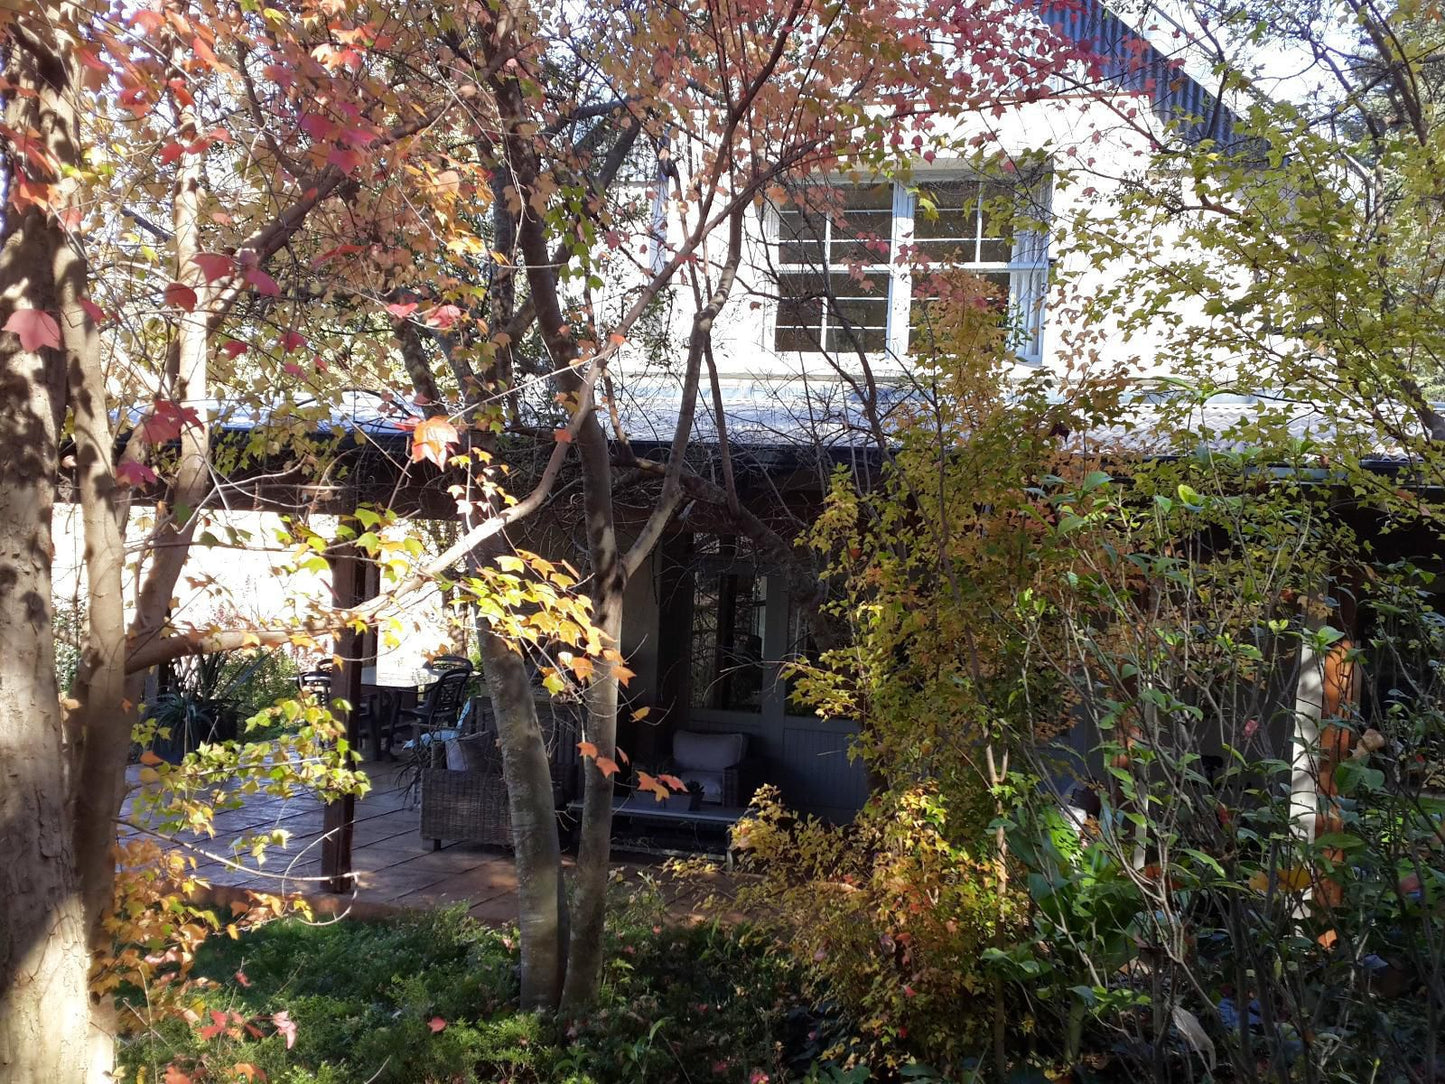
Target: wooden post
<point x="349" y="587"/>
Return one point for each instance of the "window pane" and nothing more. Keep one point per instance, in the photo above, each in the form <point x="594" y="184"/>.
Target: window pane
<point x="801" y="234"/>
<point x="727" y="641"/>
<point x="948" y="210"/>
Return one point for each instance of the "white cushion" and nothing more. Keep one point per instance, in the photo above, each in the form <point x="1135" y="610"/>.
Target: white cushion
<point x="707" y="752"/>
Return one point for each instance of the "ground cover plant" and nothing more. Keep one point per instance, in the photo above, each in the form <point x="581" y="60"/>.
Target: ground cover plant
<point x="433" y="997"/>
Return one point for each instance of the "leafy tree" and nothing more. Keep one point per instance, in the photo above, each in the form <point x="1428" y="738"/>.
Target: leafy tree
<point x="274" y="206"/>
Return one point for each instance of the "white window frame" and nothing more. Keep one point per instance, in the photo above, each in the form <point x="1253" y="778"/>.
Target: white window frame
<point x="1027" y="268"/>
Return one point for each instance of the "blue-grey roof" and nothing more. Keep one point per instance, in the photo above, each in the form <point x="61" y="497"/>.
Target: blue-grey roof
<point x="1132" y="63"/>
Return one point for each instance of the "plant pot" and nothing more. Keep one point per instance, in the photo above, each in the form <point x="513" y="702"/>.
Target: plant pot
<point x="193" y="723"/>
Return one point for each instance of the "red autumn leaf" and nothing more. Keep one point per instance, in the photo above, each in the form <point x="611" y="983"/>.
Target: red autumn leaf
<point x="292" y="340"/>
<point x="318" y="127"/>
<point x="443" y="316"/>
<point x="432" y="439"/>
<point x="339" y="250"/>
<point x="175" y="1076"/>
<point x="181" y="296"/>
<point x="241" y="978"/>
<point x="563" y="436"/>
<point x="437" y="1024"/>
<point x="345" y="159"/>
<point x="35" y="327"/>
<point x="94" y="311"/>
<point x="262" y="282"/>
<point x="131" y="473"/>
<point x="214" y="265"/>
<point x="170" y="152"/>
<point x="235" y="348"/>
<point x="148" y="20"/>
<point x="622" y="755"/>
<point x="587" y="748"/>
<point x="285" y="1026"/>
<point x="166" y="421"/>
<point x="401" y="310"/>
<point x="218" y="1023"/>
<point x="674" y="782"/>
<point x="292" y="369"/>
<point x="607" y="766"/>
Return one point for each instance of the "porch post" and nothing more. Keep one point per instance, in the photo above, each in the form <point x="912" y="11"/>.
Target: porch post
<point x="349" y="587"/>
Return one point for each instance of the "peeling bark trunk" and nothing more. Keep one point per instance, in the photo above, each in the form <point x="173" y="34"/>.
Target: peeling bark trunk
<point x="44" y="1002"/>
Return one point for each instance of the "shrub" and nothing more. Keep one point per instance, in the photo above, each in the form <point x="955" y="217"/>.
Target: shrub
<point x="887" y="920"/>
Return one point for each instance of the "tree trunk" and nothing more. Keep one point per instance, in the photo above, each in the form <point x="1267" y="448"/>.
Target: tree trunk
<point x="44" y="1000"/>
<point x="594" y="847"/>
<point x="541" y="894"/>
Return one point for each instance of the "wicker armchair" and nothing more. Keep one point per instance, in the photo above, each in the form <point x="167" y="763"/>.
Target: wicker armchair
<point x="471" y="804"/>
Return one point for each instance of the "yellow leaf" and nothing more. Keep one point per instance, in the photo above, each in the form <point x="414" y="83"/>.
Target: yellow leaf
<point x="640" y="714"/>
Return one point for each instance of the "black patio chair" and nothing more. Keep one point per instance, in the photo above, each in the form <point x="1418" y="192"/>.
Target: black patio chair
<point x="317" y="681"/>
<point x="441" y="706"/>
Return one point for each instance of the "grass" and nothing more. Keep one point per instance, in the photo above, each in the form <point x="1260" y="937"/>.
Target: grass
<point x="431" y="997"/>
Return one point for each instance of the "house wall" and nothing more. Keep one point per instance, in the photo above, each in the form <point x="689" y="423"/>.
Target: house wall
<point x="1096" y="149"/>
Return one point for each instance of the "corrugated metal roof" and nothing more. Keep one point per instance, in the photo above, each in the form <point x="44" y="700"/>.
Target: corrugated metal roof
<point x="1129" y="61"/>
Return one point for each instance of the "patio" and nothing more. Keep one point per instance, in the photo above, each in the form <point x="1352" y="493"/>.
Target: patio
<point x="395" y="868"/>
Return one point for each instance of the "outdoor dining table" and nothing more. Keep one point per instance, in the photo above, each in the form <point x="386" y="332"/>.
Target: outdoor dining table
<point x="383" y="703"/>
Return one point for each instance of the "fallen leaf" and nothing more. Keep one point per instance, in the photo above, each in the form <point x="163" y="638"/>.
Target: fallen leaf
<point x="285" y="1026"/>
<point x="437" y="1024"/>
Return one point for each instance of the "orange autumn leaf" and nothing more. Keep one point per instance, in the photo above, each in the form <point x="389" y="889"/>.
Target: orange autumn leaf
<point x="432" y="439"/>
<point x="607" y="766"/>
<point x="587" y="748"/>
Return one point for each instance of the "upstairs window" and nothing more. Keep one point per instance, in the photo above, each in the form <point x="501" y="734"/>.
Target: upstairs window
<point x="854" y="279"/>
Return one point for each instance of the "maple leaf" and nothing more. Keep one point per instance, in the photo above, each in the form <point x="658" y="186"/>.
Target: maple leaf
<point x="608" y="767"/>
<point x="674" y="782"/>
<point x="175" y="1076"/>
<point x="647" y="782"/>
<point x="443" y="316"/>
<point x="436" y="1024"/>
<point x="241" y="978"/>
<point x="587" y="748"/>
<point x="262" y="282"/>
<point x="214" y="265"/>
<point x="36" y="328"/>
<point x="317" y="126"/>
<point x="166" y="421"/>
<point x="131" y="473"/>
<point x="181" y="296"/>
<point x="285" y="1026"/>
<point x="292" y="340"/>
<point x="432" y="439"/>
<point x="235" y="348"/>
<point x="94" y="311"/>
<point x="401" y="310"/>
<point x="218" y="1023"/>
<point x="345" y="159"/>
